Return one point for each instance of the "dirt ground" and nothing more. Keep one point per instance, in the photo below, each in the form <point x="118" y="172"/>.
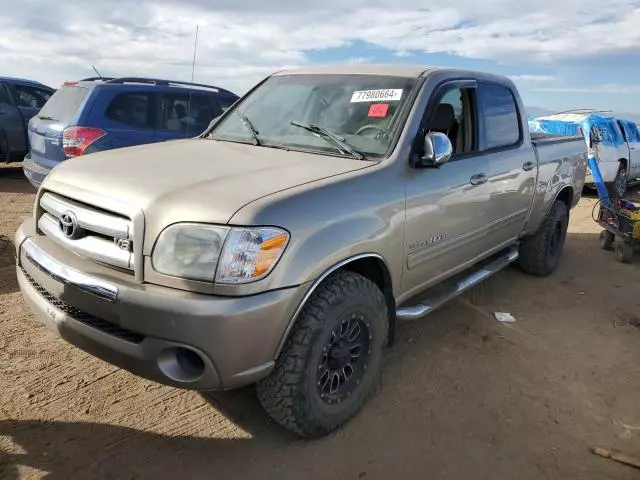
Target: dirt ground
<point x="461" y="396"/>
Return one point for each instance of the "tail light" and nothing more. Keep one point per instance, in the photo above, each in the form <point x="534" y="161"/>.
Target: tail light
<point x="75" y="140"/>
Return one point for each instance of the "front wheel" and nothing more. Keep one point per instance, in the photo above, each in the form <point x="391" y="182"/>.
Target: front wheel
<point x="331" y="359"/>
<point x="540" y="253"/>
<point x="619" y="185"/>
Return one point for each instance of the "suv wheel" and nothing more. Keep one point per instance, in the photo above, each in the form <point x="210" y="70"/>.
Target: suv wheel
<point x="331" y="359"/>
<point x="540" y="253"/>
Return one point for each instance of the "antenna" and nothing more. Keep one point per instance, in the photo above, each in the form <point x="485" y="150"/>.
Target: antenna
<point x="193" y="69"/>
<point x="97" y="72"/>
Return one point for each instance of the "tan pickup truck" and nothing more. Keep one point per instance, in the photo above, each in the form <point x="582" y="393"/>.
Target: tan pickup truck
<point x="282" y="245"/>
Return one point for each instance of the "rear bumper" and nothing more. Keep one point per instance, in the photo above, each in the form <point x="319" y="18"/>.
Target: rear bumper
<point x="34" y="172"/>
<point x="147" y="329"/>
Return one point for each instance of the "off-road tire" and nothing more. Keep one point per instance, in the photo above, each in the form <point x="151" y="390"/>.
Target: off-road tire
<point x="623" y="252"/>
<point x="618" y="187"/>
<point x="290" y="393"/>
<point x="606" y="240"/>
<point x="540" y="253"/>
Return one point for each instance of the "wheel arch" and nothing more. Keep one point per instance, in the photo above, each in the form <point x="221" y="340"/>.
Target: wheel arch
<point x="371" y="266"/>
<point x="565" y="195"/>
<point x="624" y="162"/>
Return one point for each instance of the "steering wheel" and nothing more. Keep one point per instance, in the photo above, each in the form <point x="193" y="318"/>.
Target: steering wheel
<point x="370" y="127"/>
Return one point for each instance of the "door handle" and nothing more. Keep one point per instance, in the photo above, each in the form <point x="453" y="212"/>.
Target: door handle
<point x="478" y="179"/>
<point x="528" y="166"/>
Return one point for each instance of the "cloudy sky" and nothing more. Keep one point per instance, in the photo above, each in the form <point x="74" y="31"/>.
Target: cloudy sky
<point x="562" y="54"/>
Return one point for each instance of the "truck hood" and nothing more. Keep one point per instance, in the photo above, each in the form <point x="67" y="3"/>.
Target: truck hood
<point x="196" y="180"/>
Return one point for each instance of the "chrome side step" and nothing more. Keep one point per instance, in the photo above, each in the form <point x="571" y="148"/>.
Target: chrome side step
<point x="456" y="287"/>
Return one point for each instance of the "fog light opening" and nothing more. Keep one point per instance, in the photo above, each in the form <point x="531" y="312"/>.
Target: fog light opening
<point x="181" y="364"/>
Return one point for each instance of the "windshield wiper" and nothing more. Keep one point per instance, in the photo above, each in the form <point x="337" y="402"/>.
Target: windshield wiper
<point x="247" y="123"/>
<point x="44" y="117"/>
<point x="343" y="146"/>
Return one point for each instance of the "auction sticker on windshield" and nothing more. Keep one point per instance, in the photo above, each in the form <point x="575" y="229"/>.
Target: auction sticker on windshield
<point x="388" y="95"/>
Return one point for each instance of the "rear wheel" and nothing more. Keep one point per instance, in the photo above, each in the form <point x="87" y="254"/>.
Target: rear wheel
<point x="331" y="359"/>
<point x="540" y="253"/>
<point x="606" y="240"/>
<point x="623" y="252"/>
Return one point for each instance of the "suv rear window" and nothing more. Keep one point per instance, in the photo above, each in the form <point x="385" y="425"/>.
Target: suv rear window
<point x="64" y="103"/>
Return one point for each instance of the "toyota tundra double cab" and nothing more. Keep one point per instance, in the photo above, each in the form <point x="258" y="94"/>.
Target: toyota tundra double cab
<point x="281" y="246"/>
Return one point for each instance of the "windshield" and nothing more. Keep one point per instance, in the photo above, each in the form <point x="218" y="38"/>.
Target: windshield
<point x="362" y="110"/>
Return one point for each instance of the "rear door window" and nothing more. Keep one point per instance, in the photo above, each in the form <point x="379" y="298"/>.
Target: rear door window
<point x="4" y="96"/>
<point x="499" y="116"/>
<point x="64" y="103"/>
<point x="225" y="102"/>
<point x="133" y="109"/>
<point x="184" y="113"/>
<point x="32" y="97"/>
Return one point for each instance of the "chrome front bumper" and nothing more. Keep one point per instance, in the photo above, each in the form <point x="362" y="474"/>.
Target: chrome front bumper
<point x="66" y="275"/>
<point x="140" y="327"/>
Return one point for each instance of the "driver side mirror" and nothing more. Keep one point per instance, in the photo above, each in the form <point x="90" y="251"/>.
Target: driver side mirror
<point x="437" y="150"/>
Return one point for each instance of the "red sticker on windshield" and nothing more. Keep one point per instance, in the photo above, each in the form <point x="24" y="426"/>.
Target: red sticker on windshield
<point x="378" y="110"/>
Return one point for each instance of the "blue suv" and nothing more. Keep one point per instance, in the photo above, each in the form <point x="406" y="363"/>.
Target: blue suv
<point x="97" y="114"/>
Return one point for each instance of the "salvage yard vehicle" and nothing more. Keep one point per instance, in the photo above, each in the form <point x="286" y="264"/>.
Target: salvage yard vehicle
<point x="20" y="100"/>
<point x="282" y="245"/>
<point x="97" y="114"/>
<point x="616" y="146"/>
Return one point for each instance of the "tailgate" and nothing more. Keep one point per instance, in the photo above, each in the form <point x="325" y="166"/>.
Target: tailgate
<point x="45" y="129"/>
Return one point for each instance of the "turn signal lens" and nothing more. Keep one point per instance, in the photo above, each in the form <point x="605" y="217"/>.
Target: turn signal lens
<point x="249" y="254"/>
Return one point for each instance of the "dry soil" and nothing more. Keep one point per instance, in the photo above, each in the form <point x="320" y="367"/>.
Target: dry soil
<point x="461" y="396"/>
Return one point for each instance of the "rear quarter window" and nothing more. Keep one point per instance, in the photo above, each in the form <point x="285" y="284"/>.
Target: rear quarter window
<point x="632" y="132"/>
<point x="499" y="114"/>
<point x="65" y="103"/>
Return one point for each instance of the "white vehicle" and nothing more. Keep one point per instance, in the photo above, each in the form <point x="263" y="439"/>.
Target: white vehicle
<point x="615" y="141"/>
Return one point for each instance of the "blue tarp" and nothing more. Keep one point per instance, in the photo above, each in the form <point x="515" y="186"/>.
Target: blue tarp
<point x="609" y="131"/>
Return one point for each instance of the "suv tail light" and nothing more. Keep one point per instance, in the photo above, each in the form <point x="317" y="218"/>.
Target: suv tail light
<point x="75" y="140"/>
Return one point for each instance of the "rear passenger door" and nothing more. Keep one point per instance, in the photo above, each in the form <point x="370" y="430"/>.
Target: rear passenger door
<point x="510" y="162"/>
<point x="185" y="115"/>
<point x="128" y="118"/>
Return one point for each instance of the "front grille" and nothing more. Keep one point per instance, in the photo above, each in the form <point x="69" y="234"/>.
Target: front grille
<point x="84" y="317"/>
<point x="88" y="231"/>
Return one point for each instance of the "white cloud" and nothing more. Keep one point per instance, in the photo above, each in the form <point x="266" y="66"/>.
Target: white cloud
<point x="532" y="78"/>
<point x="608" y="88"/>
<point x="242" y="41"/>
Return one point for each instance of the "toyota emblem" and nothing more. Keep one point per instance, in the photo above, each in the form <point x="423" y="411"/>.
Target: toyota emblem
<point x="69" y="225"/>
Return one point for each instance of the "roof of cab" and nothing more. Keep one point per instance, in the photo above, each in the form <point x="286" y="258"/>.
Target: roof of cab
<point x="415" y="71"/>
<point x="362" y="69"/>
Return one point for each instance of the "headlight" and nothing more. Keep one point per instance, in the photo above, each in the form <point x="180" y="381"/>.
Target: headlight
<point x="189" y="251"/>
<point x="195" y="251"/>
<point x="250" y="254"/>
